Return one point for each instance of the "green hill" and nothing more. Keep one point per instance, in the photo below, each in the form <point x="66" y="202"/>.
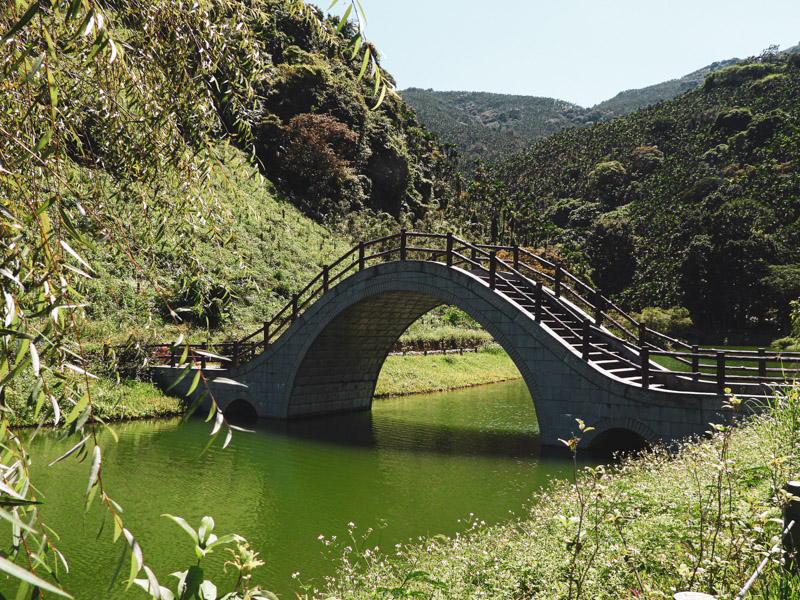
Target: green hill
<point x="201" y="183"/>
<point x="490" y="127"/>
<point x="693" y="201"/>
<point x="487" y="127"/>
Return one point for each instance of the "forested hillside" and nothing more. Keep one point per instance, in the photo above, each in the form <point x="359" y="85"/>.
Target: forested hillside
<point x="491" y="127"/>
<point x="692" y="202"/>
<point x="487" y="127"/>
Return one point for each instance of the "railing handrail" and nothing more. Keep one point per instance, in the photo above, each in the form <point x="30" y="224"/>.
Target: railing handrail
<point x="585" y="302"/>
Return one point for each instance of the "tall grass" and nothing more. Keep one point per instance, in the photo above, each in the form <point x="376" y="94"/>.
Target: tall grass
<point x="698" y="517"/>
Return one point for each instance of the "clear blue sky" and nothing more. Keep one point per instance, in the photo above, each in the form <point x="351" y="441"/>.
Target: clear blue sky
<point x="582" y="51"/>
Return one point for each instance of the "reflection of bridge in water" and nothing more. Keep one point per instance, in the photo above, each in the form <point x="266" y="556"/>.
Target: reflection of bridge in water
<point x="580" y="355"/>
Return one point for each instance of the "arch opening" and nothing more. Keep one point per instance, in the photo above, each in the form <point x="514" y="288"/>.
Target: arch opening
<point x="618" y="440"/>
<point x="341" y="365"/>
<point x="241" y="412"/>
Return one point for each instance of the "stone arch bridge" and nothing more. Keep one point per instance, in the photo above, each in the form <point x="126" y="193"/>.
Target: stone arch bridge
<point x="579" y="354"/>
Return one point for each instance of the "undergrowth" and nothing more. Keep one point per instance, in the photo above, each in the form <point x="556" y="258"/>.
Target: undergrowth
<point x="700" y="517"/>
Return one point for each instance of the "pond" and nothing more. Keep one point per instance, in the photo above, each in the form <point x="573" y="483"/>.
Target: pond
<point x="413" y="466"/>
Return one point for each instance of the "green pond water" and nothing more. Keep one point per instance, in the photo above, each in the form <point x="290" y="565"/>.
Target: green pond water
<point x="413" y="466"/>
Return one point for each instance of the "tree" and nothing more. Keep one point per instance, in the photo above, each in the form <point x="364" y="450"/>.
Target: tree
<point x="106" y="140"/>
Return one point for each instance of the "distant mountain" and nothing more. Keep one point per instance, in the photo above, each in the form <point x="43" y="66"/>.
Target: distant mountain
<point x="491" y="127"/>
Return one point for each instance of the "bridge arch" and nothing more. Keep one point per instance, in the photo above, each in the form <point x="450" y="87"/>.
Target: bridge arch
<point x="344" y="354"/>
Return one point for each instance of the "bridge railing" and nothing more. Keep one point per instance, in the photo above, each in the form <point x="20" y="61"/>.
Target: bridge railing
<point x="599" y="317"/>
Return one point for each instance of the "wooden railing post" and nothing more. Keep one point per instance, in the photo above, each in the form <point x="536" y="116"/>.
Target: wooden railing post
<point x="537" y="307"/>
<point x="762" y="363"/>
<point x="695" y="362"/>
<point x="644" y="354"/>
<point x="403" y="244"/>
<point x="557" y="281"/>
<point x="516" y="257"/>
<point x="642" y="334"/>
<point x="449" y="249"/>
<point x="294" y="307"/>
<point x="720" y="372"/>
<point x="236" y="353"/>
<point x="492" y="270"/>
<point x="203" y="356"/>
<point x="361" y="256"/>
<point x="326" y="275"/>
<point x="587" y="338"/>
<point x="172" y="356"/>
<point x="598" y="308"/>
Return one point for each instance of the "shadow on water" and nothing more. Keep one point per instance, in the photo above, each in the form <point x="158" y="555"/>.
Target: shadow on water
<point x="362" y="430"/>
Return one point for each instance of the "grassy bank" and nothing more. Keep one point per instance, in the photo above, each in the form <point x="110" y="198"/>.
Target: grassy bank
<point x="414" y="374"/>
<point x="411" y="374"/>
<point x="699" y="519"/>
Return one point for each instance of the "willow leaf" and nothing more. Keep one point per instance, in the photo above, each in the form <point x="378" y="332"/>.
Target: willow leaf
<point x="18" y="572"/>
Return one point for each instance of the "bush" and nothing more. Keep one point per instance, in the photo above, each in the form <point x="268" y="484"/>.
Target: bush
<point x="734" y="119"/>
<point x="318" y="162"/>
<point x="669" y="321"/>
<point x="646" y="158"/>
<point x="737" y="75"/>
<point x="607" y="179"/>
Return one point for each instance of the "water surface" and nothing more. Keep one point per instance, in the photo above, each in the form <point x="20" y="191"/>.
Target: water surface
<point x="412" y="466"/>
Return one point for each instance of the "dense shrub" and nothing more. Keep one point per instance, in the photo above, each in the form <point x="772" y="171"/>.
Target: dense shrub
<point x="607" y="180"/>
<point x="669" y="321"/>
<point x="318" y="162"/>
<point x="738" y="74"/>
<point x="734" y="119"/>
<point x="646" y="158"/>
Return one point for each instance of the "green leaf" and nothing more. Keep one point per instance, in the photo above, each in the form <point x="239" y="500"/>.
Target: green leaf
<point x="364" y="64"/>
<point x="94" y="471"/>
<point x="39" y="396"/>
<point x="195" y="381"/>
<point x="225" y="539"/>
<point x="74" y="7"/>
<point x="356" y="47"/>
<point x="184" y="372"/>
<point x="26" y="18"/>
<point x="14" y="520"/>
<point x="37" y="64"/>
<point x="185" y="526"/>
<point x="192" y="582"/>
<point x="206" y="527"/>
<point x="117" y="530"/>
<point x="76" y="410"/>
<point x="136" y="556"/>
<point x="344" y="18"/>
<point x="194" y="406"/>
<point x="382" y="96"/>
<point x="19" y="573"/>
